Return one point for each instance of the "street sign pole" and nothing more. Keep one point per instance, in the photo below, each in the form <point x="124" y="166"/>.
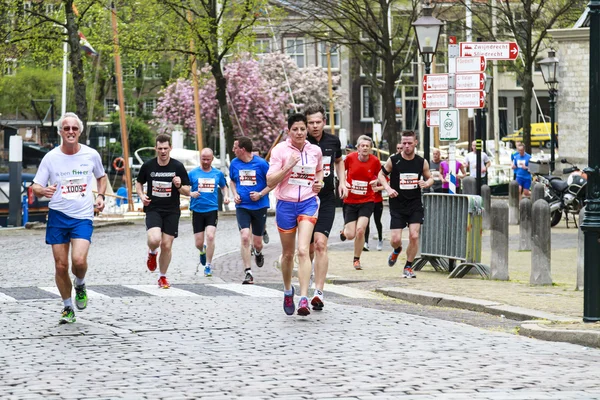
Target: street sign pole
<point x="452" y="55"/>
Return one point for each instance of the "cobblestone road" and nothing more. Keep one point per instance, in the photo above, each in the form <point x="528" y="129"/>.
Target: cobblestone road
<point x="214" y="338"/>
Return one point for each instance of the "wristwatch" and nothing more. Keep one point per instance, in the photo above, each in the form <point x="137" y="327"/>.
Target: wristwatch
<point x="103" y="197"/>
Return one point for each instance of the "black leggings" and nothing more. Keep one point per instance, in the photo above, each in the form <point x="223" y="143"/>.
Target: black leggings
<point x="377" y="212"/>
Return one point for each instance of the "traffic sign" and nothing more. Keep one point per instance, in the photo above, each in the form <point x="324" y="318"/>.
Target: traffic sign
<point x="469" y="81"/>
<point x="435" y="82"/>
<point x="434" y="100"/>
<point x="469" y="99"/>
<point x="449" y="124"/>
<point x="433" y="118"/>
<point x="490" y="50"/>
<point x="470" y="64"/>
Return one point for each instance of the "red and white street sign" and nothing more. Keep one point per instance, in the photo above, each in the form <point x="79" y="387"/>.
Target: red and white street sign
<point x="470" y="64"/>
<point x="434" y="100"/>
<point x="433" y="118"/>
<point x="490" y="50"/>
<point x="469" y="99"/>
<point x="451" y="39"/>
<point x="469" y="81"/>
<point x="435" y="82"/>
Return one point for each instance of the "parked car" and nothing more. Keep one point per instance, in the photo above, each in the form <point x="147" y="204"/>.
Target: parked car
<point x="38" y="208"/>
<point x="33" y="154"/>
<point x="540" y="135"/>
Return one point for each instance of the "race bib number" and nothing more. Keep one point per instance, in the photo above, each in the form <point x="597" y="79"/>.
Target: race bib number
<point x="409" y="181"/>
<point x="436" y="175"/>
<point x="73" y="188"/>
<point x="303" y="175"/>
<point x="206" y="185"/>
<point x="359" y="187"/>
<point x="521" y="163"/>
<point x="247" y="177"/>
<point x="326" y="165"/>
<point x="161" y="189"/>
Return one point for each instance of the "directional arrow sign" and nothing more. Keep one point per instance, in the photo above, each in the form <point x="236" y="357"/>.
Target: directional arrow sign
<point x="449" y="124"/>
<point x="469" y="81"/>
<point x="435" y="82"/>
<point x="490" y="50"/>
<point x="433" y="118"/>
<point x="469" y="99"/>
<point x="470" y="64"/>
<point x="434" y="100"/>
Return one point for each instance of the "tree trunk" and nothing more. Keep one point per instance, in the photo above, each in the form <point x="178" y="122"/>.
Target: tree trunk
<point x="389" y="105"/>
<point x="77" y="73"/>
<point x="221" y="85"/>
<point x="526" y="107"/>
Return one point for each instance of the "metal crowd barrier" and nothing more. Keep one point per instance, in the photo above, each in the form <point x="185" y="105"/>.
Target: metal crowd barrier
<point x="452" y="229"/>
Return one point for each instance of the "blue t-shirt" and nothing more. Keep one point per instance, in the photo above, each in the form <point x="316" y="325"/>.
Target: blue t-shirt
<point x="250" y="177"/>
<point x="522" y="160"/>
<point x="208" y="184"/>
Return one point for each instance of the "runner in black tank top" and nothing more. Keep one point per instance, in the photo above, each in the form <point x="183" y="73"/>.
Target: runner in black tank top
<point x="409" y="173"/>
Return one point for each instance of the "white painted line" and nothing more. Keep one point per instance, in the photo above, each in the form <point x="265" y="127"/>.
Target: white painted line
<point x="6" y="299"/>
<point x="154" y="290"/>
<point x="249" y="290"/>
<point x="91" y="293"/>
<point x="350" y="292"/>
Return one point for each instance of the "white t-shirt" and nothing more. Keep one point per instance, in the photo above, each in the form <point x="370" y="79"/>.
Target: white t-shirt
<point x="73" y="174"/>
<point x="472" y="160"/>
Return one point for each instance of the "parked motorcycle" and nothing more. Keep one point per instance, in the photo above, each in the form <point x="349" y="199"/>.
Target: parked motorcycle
<point x="565" y="197"/>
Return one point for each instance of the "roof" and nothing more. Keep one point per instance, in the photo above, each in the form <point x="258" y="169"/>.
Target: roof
<point x="584" y="20"/>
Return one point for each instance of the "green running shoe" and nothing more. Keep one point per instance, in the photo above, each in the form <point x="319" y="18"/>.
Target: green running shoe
<point x="81" y="298"/>
<point x="68" y="316"/>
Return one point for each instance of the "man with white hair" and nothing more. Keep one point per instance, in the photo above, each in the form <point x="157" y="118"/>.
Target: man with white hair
<point x="66" y="175"/>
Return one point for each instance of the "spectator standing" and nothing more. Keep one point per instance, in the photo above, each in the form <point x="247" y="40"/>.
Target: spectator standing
<point x="471" y="161"/>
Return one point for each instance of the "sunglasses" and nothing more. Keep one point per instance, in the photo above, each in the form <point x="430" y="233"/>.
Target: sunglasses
<point x="70" y="128"/>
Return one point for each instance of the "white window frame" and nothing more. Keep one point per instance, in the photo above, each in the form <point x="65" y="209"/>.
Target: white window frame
<point x="335" y="56"/>
<point x="337" y="115"/>
<point x="262" y="44"/>
<point x="291" y="50"/>
<point x="151" y="71"/>
<point x="130" y="109"/>
<point x="149" y="110"/>
<point x="109" y="106"/>
<point x="10" y="67"/>
<point x="49" y="8"/>
<point x="377" y="109"/>
<point x="128" y="70"/>
<point x="379" y="66"/>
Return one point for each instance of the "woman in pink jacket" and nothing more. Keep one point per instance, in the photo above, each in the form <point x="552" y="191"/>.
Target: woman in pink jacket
<point x="296" y="172"/>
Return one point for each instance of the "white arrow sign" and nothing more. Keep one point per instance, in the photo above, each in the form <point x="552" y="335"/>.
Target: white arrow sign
<point x="433" y="118"/>
<point x="470" y="64"/>
<point x="449" y="124"/>
<point x="469" y="99"/>
<point x="434" y="100"/>
<point x="490" y="50"/>
<point x="435" y="82"/>
<point x="469" y="81"/>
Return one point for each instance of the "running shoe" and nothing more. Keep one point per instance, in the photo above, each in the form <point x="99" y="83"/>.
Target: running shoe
<point x="366" y="247"/>
<point x="357" y="265"/>
<point x="408" y="273"/>
<point x="317" y="302"/>
<point x="394" y="257"/>
<point x="303" y="307"/>
<point x="163" y="283"/>
<point x="68" y="316"/>
<point x="342" y="236"/>
<point x="260" y="259"/>
<point x="379" y="245"/>
<point x="248" y="279"/>
<point x="203" y="256"/>
<point x="151" y="262"/>
<point x="288" y="303"/>
<point x="266" y="237"/>
<point x="81" y="298"/>
<point x="208" y="270"/>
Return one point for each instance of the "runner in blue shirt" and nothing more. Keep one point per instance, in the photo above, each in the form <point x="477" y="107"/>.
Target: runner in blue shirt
<point x="204" y="204"/>
<point x="521" y="167"/>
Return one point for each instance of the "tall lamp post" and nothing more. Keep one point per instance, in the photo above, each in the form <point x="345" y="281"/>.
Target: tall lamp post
<point x="549" y="67"/>
<point x="487" y="88"/>
<point x="591" y="216"/>
<point x="427" y="29"/>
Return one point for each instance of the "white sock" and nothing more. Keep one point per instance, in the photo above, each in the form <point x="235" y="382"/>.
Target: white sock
<point x="153" y="251"/>
<point x="79" y="282"/>
<point x="318" y="293"/>
<point x="68" y="302"/>
<point x="163" y="275"/>
<point x="287" y="292"/>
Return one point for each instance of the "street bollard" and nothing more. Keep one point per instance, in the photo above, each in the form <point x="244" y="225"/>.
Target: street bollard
<point x="525" y="224"/>
<point x="486" y="196"/>
<point x="469" y="185"/>
<point x="499" y="241"/>
<point x="537" y="192"/>
<point x="513" y="203"/>
<point x="541" y="245"/>
<point x="580" y="253"/>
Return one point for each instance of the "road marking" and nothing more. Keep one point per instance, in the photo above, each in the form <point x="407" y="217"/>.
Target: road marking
<point x="154" y="290"/>
<point x="91" y="293"/>
<point x="249" y="290"/>
<point x="7" y="299"/>
<point x="351" y="292"/>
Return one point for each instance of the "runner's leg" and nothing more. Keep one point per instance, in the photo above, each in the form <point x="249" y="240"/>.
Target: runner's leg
<point x="305" y="230"/>
<point x="164" y="259"/>
<point x="321" y="260"/>
<point x="210" y="231"/>
<point x="288" y="246"/>
<point x="79" y="253"/>
<point x="413" y="244"/>
<point x="245" y="250"/>
<point x="61" y="269"/>
<point x="359" y="239"/>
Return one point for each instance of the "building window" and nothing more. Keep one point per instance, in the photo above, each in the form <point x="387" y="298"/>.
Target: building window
<point x="151" y="71"/>
<point x="369" y="108"/>
<point x="49" y="8"/>
<point x="263" y="46"/>
<point x="337" y="117"/>
<point x="27" y="5"/>
<point x="128" y="70"/>
<point x="149" y="106"/>
<point x="109" y="107"/>
<point x="10" y="67"/>
<point x="130" y="109"/>
<point x="294" y="47"/>
<point x="334" y="50"/>
<point x="370" y="63"/>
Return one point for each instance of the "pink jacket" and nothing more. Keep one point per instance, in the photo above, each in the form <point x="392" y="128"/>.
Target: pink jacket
<point x="296" y="186"/>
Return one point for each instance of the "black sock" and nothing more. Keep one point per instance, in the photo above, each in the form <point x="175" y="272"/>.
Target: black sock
<point x="408" y="264"/>
<point x="397" y="250"/>
<point x="356" y="258"/>
<point x="248" y="270"/>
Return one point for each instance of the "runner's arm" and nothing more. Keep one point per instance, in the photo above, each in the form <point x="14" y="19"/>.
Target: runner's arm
<point x="427" y="175"/>
<point x="340" y="170"/>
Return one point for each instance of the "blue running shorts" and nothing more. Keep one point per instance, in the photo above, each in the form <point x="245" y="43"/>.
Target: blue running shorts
<point x="288" y="213"/>
<point x="61" y="228"/>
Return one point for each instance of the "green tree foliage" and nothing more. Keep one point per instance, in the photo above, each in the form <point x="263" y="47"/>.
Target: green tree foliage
<point x="140" y="135"/>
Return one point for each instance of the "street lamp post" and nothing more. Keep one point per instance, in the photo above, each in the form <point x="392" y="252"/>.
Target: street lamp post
<point x="591" y="216"/>
<point x="549" y="67"/>
<point x="427" y="29"/>
<point x="488" y="86"/>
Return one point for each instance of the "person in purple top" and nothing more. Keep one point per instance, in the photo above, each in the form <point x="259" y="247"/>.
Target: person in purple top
<point x="445" y="172"/>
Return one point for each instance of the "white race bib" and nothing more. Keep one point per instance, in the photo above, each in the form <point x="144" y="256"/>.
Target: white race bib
<point x="161" y="189"/>
<point x="73" y="188"/>
<point x="206" y="185"/>
<point x="303" y="175"/>
<point x="409" y="181"/>
<point x="521" y="163"/>
<point x="247" y="177"/>
<point x="359" y="187"/>
<point x="326" y="165"/>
